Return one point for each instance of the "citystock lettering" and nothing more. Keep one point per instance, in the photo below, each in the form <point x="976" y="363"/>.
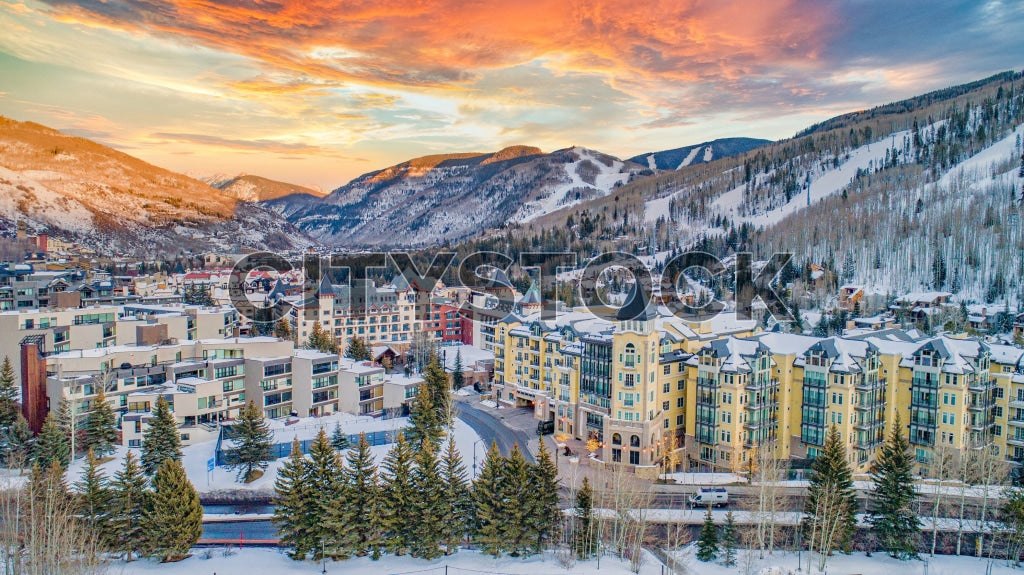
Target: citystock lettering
<point x="693" y="286"/>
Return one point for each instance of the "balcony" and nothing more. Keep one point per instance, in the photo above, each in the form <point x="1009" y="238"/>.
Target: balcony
<point x="753" y="386"/>
<point x="762" y="424"/>
<point x="870" y="406"/>
<point x="869" y="425"/>
<point x="982" y="385"/>
<point x="763" y="403"/>
<point x="867" y="386"/>
<point x="1015" y="440"/>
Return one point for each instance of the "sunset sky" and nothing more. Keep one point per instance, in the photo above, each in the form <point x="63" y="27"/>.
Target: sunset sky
<point x="320" y="91"/>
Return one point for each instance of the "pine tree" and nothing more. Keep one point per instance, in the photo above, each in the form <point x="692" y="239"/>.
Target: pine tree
<point x="160" y="440"/>
<point x="356" y="518"/>
<point x="101" y="426"/>
<point x="94" y="501"/>
<point x="729" y="540"/>
<point x="283" y="329"/>
<point x="436" y="383"/>
<point x="707" y="544"/>
<point x="8" y="394"/>
<point x="457" y="504"/>
<point x="514" y="493"/>
<point x="893" y="518"/>
<point x="358" y="350"/>
<point x="294" y="505"/>
<point x="324" y="481"/>
<point x="339" y="439"/>
<point x="428" y="504"/>
<point x="129" y="505"/>
<point x="584" y="533"/>
<point x="252" y="442"/>
<point x="319" y="339"/>
<point x="489" y="521"/>
<point x="51" y="445"/>
<point x="424" y="423"/>
<point x="173" y="516"/>
<point x="17" y="442"/>
<point x="831" y="498"/>
<point x="544" y="513"/>
<point x="457" y="377"/>
<point x="398" y="502"/>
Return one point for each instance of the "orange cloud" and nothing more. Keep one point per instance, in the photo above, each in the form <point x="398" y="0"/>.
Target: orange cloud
<point x="309" y="45"/>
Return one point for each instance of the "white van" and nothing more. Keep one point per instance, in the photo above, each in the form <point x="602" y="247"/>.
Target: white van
<point x="713" y="496"/>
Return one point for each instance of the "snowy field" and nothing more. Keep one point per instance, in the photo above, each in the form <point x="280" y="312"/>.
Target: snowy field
<point x="271" y="561"/>
<point x="785" y="563"/>
<point x="222" y="479"/>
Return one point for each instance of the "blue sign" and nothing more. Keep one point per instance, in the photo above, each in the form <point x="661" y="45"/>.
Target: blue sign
<point x="210" y="463"/>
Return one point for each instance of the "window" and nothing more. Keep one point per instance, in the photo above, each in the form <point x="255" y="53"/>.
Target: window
<point x="666" y="387"/>
<point x="634" y="458"/>
<point x="680" y="421"/>
<point x="667" y="369"/>
<point x="680" y="402"/>
<point x="665" y="405"/>
<point x="634" y="441"/>
<point x="616" y="439"/>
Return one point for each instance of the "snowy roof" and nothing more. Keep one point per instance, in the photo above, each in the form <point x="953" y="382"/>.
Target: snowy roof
<point x="734" y="353"/>
<point x="787" y="343"/>
<point x="1006" y="354"/>
<point x="470" y="356"/>
<point x="313" y="354"/>
<point x="923" y="296"/>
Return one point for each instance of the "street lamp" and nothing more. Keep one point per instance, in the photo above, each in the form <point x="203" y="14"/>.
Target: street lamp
<point x="323" y="554"/>
<point x="474" y="456"/>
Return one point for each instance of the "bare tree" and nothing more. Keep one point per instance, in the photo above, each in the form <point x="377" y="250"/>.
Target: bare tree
<point x="42" y="534"/>
<point x="942" y="468"/>
<point x="767" y="474"/>
<point x="626" y="498"/>
<point x="826" y="524"/>
<point x="992" y="472"/>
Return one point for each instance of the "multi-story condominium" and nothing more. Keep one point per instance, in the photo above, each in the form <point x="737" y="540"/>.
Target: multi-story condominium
<point x="386" y="315"/>
<point x="720" y="392"/>
<point x="209" y="381"/>
<point x="64" y="329"/>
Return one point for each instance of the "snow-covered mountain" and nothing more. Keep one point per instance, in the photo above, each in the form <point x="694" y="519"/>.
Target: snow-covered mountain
<point x="78" y="189"/>
<point x="429" y="200"/>
<point x="250" y="188"/>
<point x="703" y="153"/>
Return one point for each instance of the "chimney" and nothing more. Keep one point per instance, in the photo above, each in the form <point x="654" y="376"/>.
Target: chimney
<point x="33" y="381"/>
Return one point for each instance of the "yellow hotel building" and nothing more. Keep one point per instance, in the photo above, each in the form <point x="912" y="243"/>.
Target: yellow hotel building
<point x="719" y="389"/>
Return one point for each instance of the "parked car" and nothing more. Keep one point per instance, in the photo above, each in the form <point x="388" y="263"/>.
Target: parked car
<point x="713" y="496"/>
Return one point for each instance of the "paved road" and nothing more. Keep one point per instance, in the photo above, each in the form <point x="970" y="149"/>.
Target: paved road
<point x="491" y="428"/>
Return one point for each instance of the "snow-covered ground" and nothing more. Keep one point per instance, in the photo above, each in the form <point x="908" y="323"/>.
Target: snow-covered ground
<point x="784" y="563"/>
<point x="222" y="480"/>
<point x="271" y="561"/>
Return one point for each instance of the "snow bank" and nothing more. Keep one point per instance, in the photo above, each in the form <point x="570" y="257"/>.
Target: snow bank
<point x="253" y="560"/>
